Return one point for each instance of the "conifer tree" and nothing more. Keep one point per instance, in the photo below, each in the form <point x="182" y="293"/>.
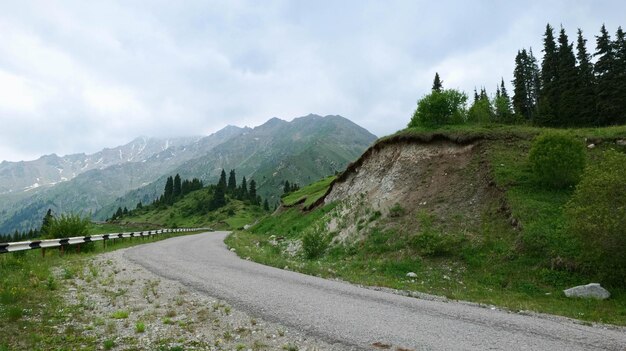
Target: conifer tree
<point x="502" y="105"/>
<point x="252" y="192"/>
<point x="549" y="93"/>
<point x="168" y="192"/>
<point x="525" y="85"/>
<point x="232" y="182"/>
<point x="287" y="187"/>
<point x="219" y="198"/>
<point x="437" y="83"/>
<point x="46" y="222"/>
<point x="177" y="188"/>
<point x="605" y="75"/>
<point x="222" y="181"/>
<point x="585" y="113"/>
<point x="266" y="205"/>
<point x="243" y="191"/>
<point x="566" y="83"/>
<point x="619" y="46"/>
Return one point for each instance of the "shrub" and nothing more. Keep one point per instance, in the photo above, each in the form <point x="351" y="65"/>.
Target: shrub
<point x="314" y="243"/>
<point x="68" y="225"/>
<point x="440" y="108"/>
<point x="396" y="211"/>
<point x="557" y="160"/>
<point x="596" y="215"/>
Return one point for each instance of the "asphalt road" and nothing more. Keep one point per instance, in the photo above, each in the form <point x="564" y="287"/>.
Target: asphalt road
<point x="356" y="317"/>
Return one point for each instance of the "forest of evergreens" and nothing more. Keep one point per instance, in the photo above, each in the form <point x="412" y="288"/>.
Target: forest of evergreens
<point x="569" y="88"/>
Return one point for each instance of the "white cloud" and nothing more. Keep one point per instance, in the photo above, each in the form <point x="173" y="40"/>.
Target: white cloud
<point x="78" y="76"/>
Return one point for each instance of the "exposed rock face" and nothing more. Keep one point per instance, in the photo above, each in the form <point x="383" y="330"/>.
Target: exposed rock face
<point x="592" y="290"/>
<point x="443" y="178"/>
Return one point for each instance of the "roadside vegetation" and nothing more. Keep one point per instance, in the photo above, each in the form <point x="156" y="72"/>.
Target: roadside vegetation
<point x="32" y="308"/>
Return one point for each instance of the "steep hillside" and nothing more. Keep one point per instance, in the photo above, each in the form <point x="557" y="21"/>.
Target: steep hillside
<point x="301" y="151"/>
<point x="454" y="213"/>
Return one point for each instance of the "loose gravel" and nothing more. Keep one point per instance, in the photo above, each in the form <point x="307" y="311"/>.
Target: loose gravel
<point x="125" y="307"/>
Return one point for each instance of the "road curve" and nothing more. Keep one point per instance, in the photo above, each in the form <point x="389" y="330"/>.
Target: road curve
<point x="356" y="317"/>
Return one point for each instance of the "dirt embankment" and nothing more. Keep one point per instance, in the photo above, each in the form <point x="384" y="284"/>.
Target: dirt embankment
<point x="448" y="179"/>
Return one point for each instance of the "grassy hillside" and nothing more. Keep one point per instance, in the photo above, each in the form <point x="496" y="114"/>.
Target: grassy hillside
<point x="193" y="211"/>
<point x="514" y="254"/>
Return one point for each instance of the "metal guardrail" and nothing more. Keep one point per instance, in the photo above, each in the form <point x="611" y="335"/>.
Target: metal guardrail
<point x="44" y="244"/>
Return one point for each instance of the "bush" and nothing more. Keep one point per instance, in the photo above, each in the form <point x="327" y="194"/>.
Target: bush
<point x="557" y="160"/>
<point x="68" y="225"/>
<point x="596" y="215"/>
<point x="314" y="243"/>
<point x="440" y="108"/>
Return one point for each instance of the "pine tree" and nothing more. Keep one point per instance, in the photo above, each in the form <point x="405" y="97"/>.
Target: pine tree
<point x="606" y="79"/>
<point x="168" y="192"/>
<point x="566" y="83"/>
<point x="502" y="105"/>
<point x="437" y="83"/>
<point x="619" y="46"/>
<point x="525" y="85"/>
<point x="177" y="189"/>
<point x="219" y="198"/>
<point x="252" y="192"/>
<point x="46" y="222"/>
<point x="585" y="114"/>
<point x="232" y="182"/>
<point x="549" y="94"/>
<point x="243" y="191"/>
<point x="222" y="181"/>
<point x="287" y="187"/>
<point x="119" y="213"/>
<point x="266" y="205"/>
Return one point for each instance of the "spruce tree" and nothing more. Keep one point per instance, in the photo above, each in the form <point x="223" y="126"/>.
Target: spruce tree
<point x="219" y="198"/>
<point x="168" y="192"/>
<point x="619" y="46"/>
<point x="525" y="85"/>
<point x="549" y="94"/>
<point x="502" y="105"/>
<point x="566" y="83"/>
<point x="287" y="187"/>
<point x="585" y="114"/>
<point x="46" y="222"/>
<point x="605" y="76"/>
<point x="252" y="192"/>
<point x="437" y="83"/>
<point x="266" y="205"/>
<point x="232" y="182"/>
<point x="177" y="188"/>
<point x="243" y="191"/>
<point x="222" y="181"/>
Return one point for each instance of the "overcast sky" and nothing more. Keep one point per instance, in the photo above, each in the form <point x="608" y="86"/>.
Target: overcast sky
<point x="78" y="76"/>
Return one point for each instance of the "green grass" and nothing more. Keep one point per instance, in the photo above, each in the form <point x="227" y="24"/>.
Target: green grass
<point x="26" y="279"/>
<point x="191" y="211"/>
<point x="309" y="194"/>
<point x="492" y="262"/>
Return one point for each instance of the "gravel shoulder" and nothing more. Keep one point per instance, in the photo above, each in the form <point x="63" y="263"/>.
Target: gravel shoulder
<point x="123" y="306"/>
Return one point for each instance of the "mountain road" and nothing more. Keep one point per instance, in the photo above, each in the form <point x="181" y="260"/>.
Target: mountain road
<point x="355" y="317"/>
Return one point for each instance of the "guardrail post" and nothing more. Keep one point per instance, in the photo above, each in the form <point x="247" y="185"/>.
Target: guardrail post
<point x="77" y="248"/>
<point x="61" y="249"/>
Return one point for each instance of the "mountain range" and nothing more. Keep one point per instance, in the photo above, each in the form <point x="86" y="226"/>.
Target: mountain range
<point x="301" y="151"/>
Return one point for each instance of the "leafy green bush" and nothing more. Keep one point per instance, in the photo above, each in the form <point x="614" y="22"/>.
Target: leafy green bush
<point x="314" y="243"/>
<point x="68" y="225"/>
<point x="557" y="160"/>
<point x="596" y="215"/>
<point x="440" y="108"/>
